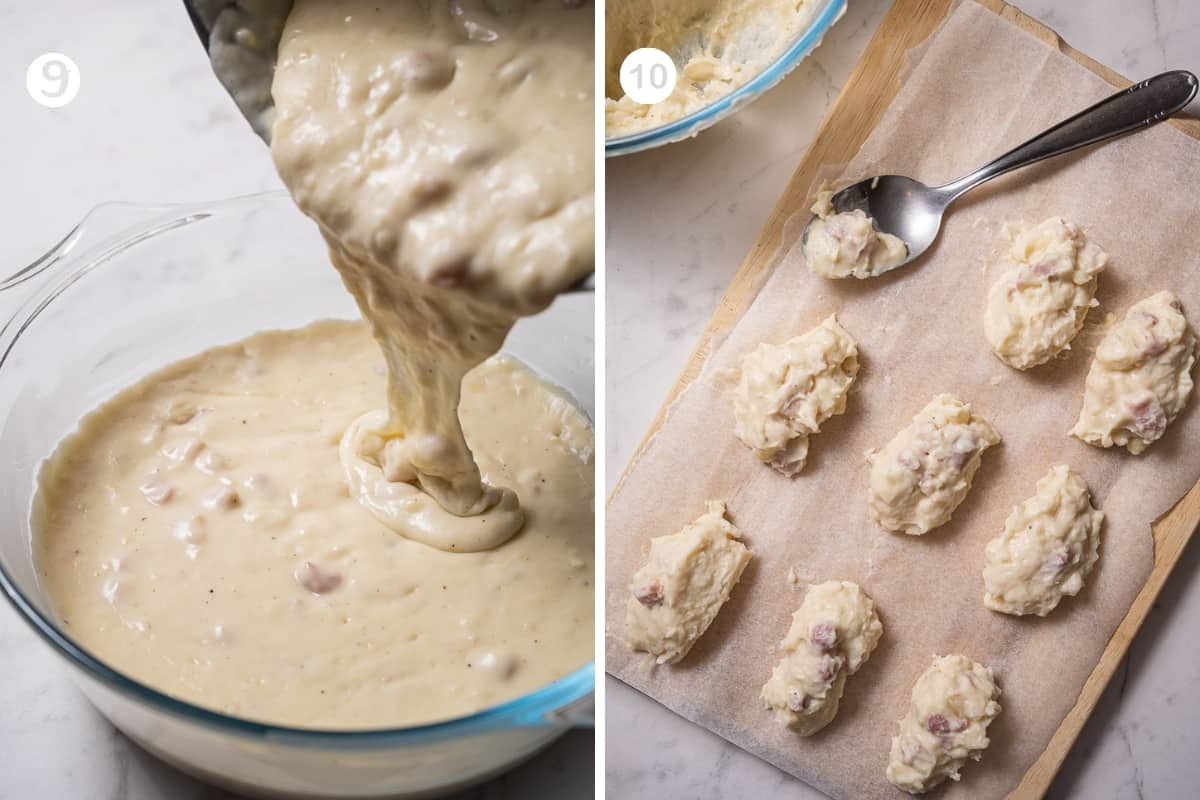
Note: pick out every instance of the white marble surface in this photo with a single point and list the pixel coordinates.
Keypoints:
(150, 124)
(679, 222)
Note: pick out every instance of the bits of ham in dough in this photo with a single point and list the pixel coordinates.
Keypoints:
(847, 245)
(501, 664)
(185, 450)
(686, 579)
(210, 462)
(222, 497)
(190, 531)
(832, 635)
(317, 580)
(1039, 304)
(953, 702)
(1141, 377)
(156, 492)
(179, 412)
(924, 473)
(1049, 545)
(786, 391)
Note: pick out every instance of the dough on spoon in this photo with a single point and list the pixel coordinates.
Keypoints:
(1049, 545)
(1141, 377)
(847, 245)
(953, 702)
(832, 635)
(924, 473)
(680, 589)
(787, 390)
(1038, 306)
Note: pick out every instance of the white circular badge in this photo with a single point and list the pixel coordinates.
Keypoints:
(52, 80)
(648, 76)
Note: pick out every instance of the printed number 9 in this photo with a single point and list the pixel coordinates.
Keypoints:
(59, 72)
(52, 80)
(648, 76)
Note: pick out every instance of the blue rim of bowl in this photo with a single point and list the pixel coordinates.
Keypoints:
(528, 710)
(751, 90)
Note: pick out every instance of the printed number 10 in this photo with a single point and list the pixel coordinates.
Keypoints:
(648, 76)
(658, 76)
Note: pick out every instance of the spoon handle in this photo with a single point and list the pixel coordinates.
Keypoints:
(1141, 105)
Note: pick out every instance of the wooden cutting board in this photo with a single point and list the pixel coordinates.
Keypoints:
(868, 92)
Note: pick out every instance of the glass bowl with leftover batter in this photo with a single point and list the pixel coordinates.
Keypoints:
(133, 288)
(814, 20)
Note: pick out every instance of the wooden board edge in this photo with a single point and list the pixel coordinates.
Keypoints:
(1171, 536)
(907, 24)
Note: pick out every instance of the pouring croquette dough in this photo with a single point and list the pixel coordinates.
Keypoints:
(226, 530)
(445, 149)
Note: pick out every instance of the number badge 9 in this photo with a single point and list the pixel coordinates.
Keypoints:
(52, 80)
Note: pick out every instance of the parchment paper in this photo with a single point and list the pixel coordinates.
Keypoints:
(980, 86)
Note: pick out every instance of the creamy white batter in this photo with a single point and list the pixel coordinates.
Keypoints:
(681, 588)
(1040, 303)
(717, 45)
(953, 702)
(197, 533)
(1141, 377)
(225, 530)
(446, 150)
(925, 472)
(847, 244)
(786, 391)
(1049, 545)
(832, 635)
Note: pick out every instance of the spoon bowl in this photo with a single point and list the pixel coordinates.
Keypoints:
(897, 205)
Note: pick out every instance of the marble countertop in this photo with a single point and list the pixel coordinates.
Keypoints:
(679, 221)
(150, 124)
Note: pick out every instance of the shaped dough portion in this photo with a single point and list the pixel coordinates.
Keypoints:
(847, 245)
(686, 579)
(1049, 545)
(953, 702)
(924, 473)
(832, 635)
(1141, 377)
(787, 390)
(1038, 306)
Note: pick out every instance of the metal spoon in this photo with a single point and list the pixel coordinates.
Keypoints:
(241, 38)
(913, 211)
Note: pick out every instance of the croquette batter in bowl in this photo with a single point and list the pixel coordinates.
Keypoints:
(717, 45)
(197, 533)
(248, 529)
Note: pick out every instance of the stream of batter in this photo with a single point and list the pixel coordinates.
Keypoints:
(453, 180)
(205, 530)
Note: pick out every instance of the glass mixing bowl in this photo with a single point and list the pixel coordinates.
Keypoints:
(822, 16)
(133, 288)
